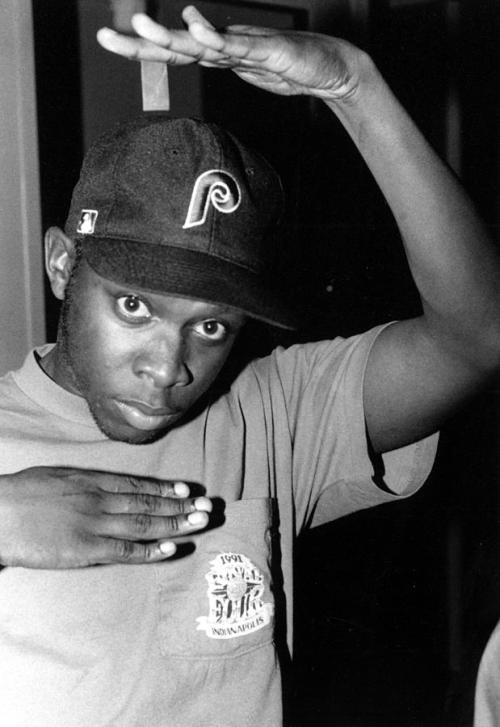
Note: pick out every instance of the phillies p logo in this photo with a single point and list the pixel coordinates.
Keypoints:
(214, 187)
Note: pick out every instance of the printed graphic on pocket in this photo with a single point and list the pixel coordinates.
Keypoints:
(236, 603)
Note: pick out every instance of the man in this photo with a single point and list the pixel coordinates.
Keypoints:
(163, 258)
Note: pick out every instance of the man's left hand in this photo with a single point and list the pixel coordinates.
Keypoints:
(283, 62)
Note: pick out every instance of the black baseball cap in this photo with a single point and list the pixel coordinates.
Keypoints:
(181, 207)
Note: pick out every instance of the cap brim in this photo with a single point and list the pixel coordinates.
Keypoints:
(186, 273)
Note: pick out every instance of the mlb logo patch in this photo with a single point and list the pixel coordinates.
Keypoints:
(86, 225)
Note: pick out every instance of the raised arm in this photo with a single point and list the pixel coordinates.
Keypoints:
(420, 370)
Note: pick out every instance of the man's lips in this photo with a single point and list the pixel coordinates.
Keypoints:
(158, 411)
(142, 416)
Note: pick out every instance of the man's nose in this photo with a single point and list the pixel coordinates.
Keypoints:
(162, 361)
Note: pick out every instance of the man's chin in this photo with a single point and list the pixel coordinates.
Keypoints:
(130, 435)
(137, 437)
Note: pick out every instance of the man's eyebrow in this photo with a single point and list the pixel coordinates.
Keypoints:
(216, 309)
(225, 311)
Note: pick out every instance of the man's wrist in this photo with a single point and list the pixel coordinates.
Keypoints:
(363, 80)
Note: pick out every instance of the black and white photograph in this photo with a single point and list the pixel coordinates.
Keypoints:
(250, 363)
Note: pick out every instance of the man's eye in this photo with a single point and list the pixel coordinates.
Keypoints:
(131, 306)
(212, 330)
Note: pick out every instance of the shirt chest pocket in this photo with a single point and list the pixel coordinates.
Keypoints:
(218, 601)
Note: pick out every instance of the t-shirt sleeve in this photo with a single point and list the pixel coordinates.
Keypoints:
(334, 472)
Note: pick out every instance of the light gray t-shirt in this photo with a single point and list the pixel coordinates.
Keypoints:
(189, 641)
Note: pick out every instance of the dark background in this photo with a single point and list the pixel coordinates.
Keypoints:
(394, 605)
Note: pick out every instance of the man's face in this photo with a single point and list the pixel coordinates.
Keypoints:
(141, 360)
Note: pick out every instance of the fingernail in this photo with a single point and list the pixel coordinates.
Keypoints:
(197, 518)
(203, 504)
(167, 548)
(181, 489)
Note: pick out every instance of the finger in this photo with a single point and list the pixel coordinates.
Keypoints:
(150, 30)
(190, 14)
(139, 49)
(121, 483)
(179, 42)
(127, 551)
(238, 41)
(250, 30)
(151, 505)
(142, 526)
(205, 33)
(221, 63)
(207, 36)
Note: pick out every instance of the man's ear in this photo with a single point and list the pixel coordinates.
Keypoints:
(59, 259)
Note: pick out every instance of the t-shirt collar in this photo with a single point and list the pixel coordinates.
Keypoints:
(36, 384)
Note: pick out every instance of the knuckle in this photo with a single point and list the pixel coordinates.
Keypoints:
(97, 495)
(156, 488)
(133, 54)
(132, 482)
(85, 504)
(150, 552)
(95, 501)
(113, 484)
(173, 524)
(179, 507)
(143, 523)
(199, 54)
(124, 550)
(150, 503)
(125, 504)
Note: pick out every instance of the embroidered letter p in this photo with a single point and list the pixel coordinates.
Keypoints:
(214, 187)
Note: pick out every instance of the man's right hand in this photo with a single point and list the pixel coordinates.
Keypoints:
(56, 517)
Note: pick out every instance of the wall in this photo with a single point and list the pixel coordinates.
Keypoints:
(21, 286)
